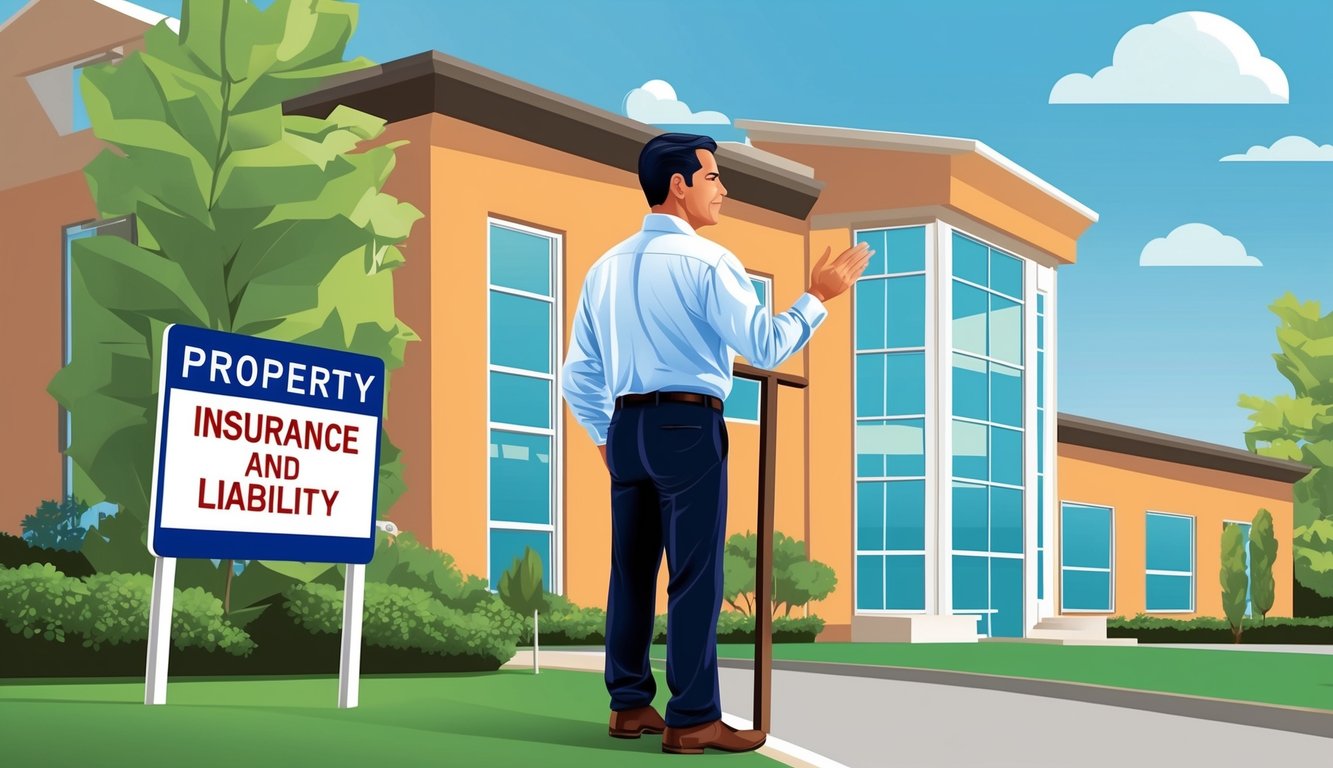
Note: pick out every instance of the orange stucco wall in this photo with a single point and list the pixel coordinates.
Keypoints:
(1134, 486)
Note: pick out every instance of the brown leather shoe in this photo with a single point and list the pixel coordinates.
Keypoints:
(717, 735)
(633, 723)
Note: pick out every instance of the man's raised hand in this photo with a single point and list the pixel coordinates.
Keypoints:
(829, 279)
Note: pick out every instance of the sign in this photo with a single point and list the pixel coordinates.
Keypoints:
(266, 450)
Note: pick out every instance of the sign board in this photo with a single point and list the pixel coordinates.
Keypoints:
(266, 450)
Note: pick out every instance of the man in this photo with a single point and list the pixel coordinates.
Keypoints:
(660, 319)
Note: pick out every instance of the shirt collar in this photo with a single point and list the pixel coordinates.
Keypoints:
(665, 222)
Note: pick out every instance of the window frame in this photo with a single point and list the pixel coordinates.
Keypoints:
(556, 432)
(767, 280)
(1194, 565)
(1110, 571)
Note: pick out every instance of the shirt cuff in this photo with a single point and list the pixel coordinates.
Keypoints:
(811, 309)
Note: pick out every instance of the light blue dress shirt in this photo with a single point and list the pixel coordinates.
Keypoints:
(668, 310)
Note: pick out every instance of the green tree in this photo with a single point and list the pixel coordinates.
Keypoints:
(248, 221)
(796, 579)
(521, 589)
(56, 525)
(739, 563)
(1263, 551)
(1234, 581)
(1300, 427)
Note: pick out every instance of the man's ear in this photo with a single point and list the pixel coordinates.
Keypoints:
(678, 185)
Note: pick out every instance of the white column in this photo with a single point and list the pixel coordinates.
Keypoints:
(940, 423)
(1052, 531)
(1030, 440)
(159, 630)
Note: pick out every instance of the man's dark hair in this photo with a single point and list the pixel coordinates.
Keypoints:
(667, 155)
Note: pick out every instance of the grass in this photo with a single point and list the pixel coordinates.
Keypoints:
(1289, 679)
(506, 718)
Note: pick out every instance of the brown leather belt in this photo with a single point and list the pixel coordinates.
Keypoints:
(657, 398)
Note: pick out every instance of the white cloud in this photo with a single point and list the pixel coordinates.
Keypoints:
(1187, 58)
(1288, 149)
(655, 102)
(1196, 245)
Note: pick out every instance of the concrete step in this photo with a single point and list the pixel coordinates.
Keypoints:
(1119, 641)
(1087, 623)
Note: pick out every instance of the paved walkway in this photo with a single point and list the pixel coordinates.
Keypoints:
(839, 716)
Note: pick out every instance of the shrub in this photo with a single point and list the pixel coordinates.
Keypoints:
(112, 608)
(16, 551)
(407, 618)
(1205, 629)
(797, 580)
(56, 525)
(405, 562)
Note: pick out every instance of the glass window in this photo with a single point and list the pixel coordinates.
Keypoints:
(891, 448)
(970, 527)
(906, 249)
(870, 516)
(905, 383)
(1170, 542)
(1006, 395)
(1006, 520)
(971, 583)
(508, 545)
(1086, 558)
(743, 402)
(523, 343)
(970, 397)
(905, 582)
(970, 260)
(1006, 456)
(1006, 274)
(1006, 330)
(761, 290)
(1006, 596)
(905, 508)
(875, 239)
(80, 113)
(906, 301)
(870, 582)
(970, 455)
(871, 332)
(969, 319)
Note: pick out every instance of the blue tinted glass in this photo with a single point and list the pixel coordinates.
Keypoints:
(870, 516)
(1169, 593)
(1041, 379)
(870, 392)
(869, 582)
(971, 583)
(1006, 330)
(875, 238)
(969, 388)
(1041, 574)
(907, 249)
(906, 384)
(1170, 543)
(1041, 440)
(1006, 456)
(891, 448)
(1087, 590)
(1041, 329)
(907, 311)
(906, 513)
(520, 400)
(969, 517)
(520, 332)
(520, 260)
(1085, 536)
(905, 577)
(1041, 303)
(520, 477)
(870, 322)
(507, 546)
(969, 318)
(969, 259)
(761, 290)
(1006, 520)
(1041, 511)
(970, 457)
(1006, 395)
(81, 120)
(743, 402)
(1006, 597)
(1006, 274)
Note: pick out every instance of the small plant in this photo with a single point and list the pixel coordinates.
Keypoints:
(1263, 551)
(1234, 581)
(521, 590)
(56, 525)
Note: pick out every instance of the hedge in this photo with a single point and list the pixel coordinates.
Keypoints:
(1154, 629)
(15, 551)
(571, 625)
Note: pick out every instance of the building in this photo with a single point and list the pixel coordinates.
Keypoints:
(924, 462)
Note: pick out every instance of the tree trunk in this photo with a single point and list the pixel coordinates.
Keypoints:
(226, 593)
(536, 649)
(1236, 631)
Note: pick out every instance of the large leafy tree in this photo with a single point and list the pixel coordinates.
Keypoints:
(1300, 427)
(1263, 551)
(248, 220)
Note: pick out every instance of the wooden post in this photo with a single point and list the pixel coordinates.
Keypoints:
(769, 381)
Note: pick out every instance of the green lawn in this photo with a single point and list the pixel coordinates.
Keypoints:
(506, 718)
(1291, 679)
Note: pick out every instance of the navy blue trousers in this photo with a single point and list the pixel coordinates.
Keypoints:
(668, 467)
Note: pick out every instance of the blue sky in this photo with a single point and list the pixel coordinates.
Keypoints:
(1164, 348)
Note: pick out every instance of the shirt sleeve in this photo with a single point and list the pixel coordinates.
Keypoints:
(745, 324)
(584, 380)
